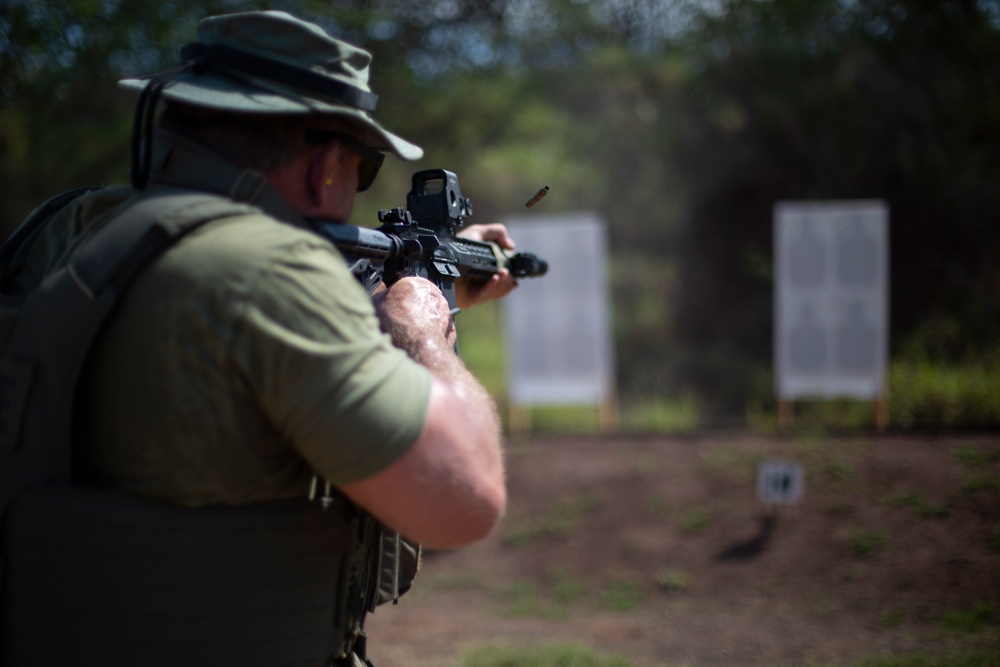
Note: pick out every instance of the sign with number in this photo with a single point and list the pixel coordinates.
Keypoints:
(779, 482)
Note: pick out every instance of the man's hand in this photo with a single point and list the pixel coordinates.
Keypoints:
(469, 294)
(415, 313)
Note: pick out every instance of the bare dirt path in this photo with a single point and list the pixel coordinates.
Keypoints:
(657, 550)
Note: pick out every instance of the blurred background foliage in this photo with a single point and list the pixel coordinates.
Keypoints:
(681, 121)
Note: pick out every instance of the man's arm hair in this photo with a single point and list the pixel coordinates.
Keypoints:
(448, 489)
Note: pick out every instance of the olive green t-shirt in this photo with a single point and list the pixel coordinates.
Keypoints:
(239, 364)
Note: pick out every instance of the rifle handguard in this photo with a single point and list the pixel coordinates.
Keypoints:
(526, 264)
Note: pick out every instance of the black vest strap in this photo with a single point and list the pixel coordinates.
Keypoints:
(105, 578)
(179, 162)
(56, 325)
(119, 580)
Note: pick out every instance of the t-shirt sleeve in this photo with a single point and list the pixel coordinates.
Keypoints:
(310, 350)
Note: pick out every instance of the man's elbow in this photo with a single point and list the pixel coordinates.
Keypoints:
(468, 523)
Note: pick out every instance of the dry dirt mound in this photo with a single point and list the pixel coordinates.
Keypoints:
(657, 549)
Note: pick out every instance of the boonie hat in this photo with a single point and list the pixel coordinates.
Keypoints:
(270, 62)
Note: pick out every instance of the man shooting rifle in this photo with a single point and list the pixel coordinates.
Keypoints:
(241, 370)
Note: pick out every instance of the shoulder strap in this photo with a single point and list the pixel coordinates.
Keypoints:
(37, 218)
(56, 325)
(305, 579)
(35, 222)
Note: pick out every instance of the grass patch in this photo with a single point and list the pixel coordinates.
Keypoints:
(621, 595)
(696, 520)
(678, 415)
(659, 508)
(837, 471)
(560, 593)
(817, 417)
(480, 342)
(567, 591)
(523, 599)
(452, 581)
(980, 617)
(920, 506)
(981, 483)
(891, 618)
(672, 581)
(866, 543)
(963, 659)
(560, 521)
(732, 463)
(581, 419)
(974, 458)
(993, 541)
(924, 394)
(542, 655)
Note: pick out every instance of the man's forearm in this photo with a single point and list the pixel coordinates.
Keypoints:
(417, 318)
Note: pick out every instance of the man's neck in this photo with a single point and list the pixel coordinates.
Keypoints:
(182, 162)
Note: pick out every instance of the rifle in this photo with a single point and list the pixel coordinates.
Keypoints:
(421, 241)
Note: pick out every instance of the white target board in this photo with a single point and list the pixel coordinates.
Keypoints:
(557, 327)
(831, 291)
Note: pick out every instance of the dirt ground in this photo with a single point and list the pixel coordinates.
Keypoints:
(657, 550)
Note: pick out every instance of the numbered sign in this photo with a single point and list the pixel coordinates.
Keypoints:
(779, 482)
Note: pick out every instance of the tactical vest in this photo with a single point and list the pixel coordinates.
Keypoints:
(93, 576)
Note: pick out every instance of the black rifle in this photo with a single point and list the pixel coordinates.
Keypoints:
(421, 241)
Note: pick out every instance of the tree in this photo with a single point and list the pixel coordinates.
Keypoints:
(894, 99)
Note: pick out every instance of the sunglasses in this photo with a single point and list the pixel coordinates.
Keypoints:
(371, 159)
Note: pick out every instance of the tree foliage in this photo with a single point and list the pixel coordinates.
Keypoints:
(820, 100)
(682, 121)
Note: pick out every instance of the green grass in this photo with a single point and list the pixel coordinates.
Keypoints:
(696, 520)
(564, 654)
(566, 590)
(921, 394)
(974, 458)
(523, 599)
(924, 394)
(962, 659)
(560, 520)
(920, 506)
(581, 419)
(993, 541)
(560, 594)
(981, 483)
(735, 464)
(979, 617)
(661, 415)
(867, 542)
(672, 581)
(542, 655)
(621, 594)
(480, 342)
(576, 655)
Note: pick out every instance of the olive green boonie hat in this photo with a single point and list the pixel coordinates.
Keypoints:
(270, 62)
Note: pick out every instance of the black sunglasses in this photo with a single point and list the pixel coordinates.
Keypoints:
(371, 159)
